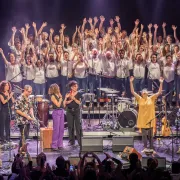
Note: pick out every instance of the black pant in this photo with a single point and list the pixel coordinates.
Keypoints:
(24, 131)
(73, 117)
(147, 132)
(4, 124)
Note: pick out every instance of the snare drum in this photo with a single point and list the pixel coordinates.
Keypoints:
(88, 97)
(128, 118)
(43, 111)
(122, 105)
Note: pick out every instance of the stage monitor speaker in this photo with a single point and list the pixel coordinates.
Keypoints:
(120, 142)
(161, 162)
(94, 144)
(128, 150)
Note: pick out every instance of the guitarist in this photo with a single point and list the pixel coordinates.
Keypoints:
(24, 113)
(146, 112)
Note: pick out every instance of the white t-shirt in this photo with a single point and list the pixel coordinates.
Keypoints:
(139, 70)
(80, 70)
(153, 70)
(66, 67)
(168, 73)
(39, 75)
(95, 65)
(108, 67)
(29, 71)
(51, 70)
(12, 71)
(122, 68)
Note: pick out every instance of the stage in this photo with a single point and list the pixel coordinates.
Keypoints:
(163, 148)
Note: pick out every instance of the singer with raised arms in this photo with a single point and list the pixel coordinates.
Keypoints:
(146, 115)
(6, 102)
(72, 103)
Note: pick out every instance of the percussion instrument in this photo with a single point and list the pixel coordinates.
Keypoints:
(122, 105)
(128, 118)
(39, 98)
(43, 111)
(88, 97)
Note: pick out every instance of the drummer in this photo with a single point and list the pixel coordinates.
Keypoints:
(108, 70)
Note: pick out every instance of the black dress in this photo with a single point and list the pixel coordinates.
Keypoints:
(5, 111)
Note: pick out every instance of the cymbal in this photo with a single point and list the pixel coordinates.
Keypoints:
(124, 98)
(110, 95)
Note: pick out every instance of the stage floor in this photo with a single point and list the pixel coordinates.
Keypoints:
(163, 148)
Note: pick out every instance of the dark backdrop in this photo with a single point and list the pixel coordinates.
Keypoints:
(71, 12)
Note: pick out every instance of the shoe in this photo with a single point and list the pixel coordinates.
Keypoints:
(71, 143)
(144, 150)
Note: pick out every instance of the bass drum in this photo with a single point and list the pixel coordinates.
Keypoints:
(128, 118)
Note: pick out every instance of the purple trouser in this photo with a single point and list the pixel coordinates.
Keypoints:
(58, 128)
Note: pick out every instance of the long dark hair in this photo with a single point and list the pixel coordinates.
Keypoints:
(3, 84)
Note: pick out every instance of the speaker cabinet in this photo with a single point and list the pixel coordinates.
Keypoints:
(94, 144)
(120, 142)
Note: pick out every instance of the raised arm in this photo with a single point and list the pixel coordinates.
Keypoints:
(149, 27)
(164, 30)
(3, 56)
(136, 22)
(22, 31)
(83, 25)
(13, 35)
(111, 22)
(50, 36)
(63, 27)
(90, 23)
(44, 24)
(175, 34)
(102, 19)
(117, 19)
(74, 35)
(155, 34)
(35, 30)
(160, 89)
(132, 89)
(27, 30)
(95, 21)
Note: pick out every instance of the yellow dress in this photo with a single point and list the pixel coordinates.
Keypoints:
(146, 112)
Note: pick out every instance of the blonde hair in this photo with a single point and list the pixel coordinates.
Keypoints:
(53, 89)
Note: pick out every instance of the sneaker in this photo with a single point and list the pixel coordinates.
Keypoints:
(144, 150)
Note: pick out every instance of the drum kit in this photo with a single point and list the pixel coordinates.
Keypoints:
(120, 111)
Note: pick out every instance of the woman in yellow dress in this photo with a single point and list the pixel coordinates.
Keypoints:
(146, 115)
